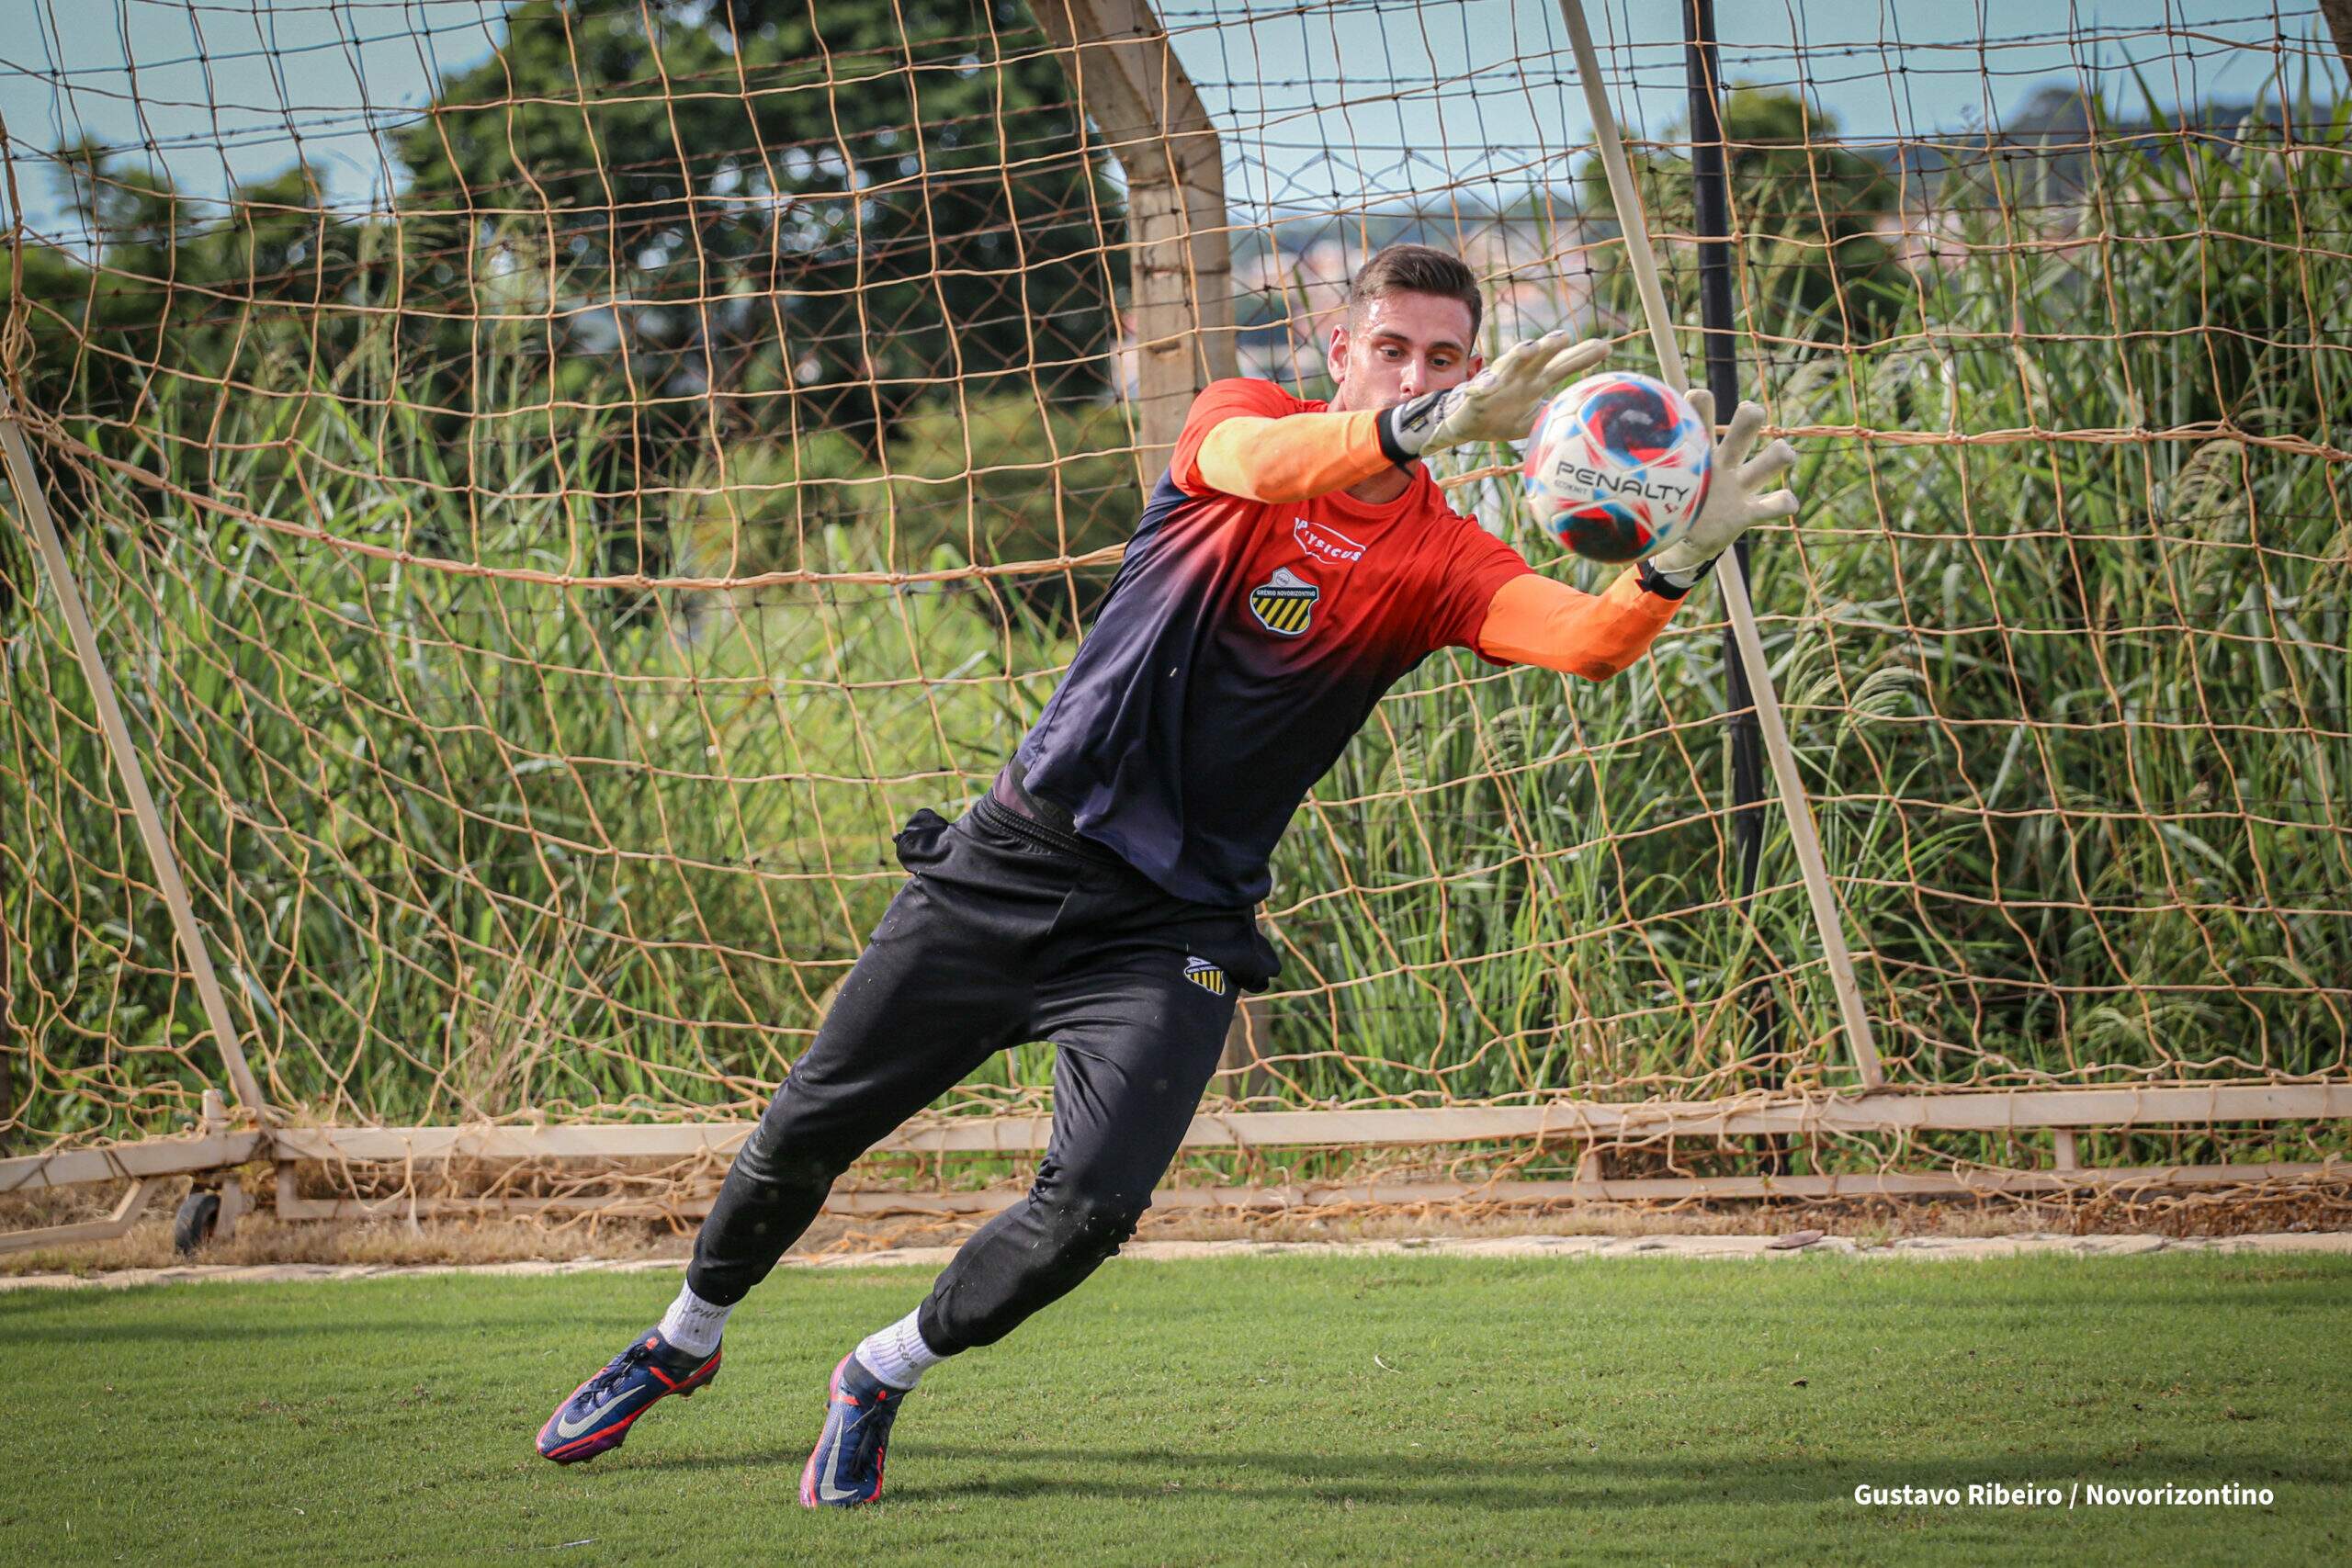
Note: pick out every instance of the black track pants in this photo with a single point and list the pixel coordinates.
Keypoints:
(1007, 932)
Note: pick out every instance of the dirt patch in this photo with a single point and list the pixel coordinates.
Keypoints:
(262, 1240)
(657, 1232)
(1754, 1248)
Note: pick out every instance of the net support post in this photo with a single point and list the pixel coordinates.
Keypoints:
(1710, 191)
(32, 504)
(1828, 922)
(1129, 81)
(2339, 28)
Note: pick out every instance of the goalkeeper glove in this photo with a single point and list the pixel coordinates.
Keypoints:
(1733, 504)
(1496, 405)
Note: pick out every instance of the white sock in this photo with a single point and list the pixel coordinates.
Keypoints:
(693, 1324)
(897, 1354)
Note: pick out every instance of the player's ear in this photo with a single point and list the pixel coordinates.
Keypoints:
(1478, 363)
(1335, 354)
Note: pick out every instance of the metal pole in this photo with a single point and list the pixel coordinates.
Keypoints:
(1828, 924)
(35, 506)
(1711, 186)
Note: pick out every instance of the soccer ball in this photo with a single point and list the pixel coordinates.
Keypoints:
(1617, 466)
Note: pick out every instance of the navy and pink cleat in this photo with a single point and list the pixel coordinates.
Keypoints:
(600, 1412)
(846, 1468)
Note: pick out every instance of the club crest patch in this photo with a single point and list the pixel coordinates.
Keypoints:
(1284, 603)
(1205, 974)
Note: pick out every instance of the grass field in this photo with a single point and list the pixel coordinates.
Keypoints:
(1270, 1409)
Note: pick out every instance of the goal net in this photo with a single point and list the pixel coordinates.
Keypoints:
(557, 485)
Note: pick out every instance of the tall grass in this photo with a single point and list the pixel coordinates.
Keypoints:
(2073, 713)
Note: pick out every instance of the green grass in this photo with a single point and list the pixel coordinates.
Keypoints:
(1268, 1410)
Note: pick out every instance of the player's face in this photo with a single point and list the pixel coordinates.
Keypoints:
(1398, 346)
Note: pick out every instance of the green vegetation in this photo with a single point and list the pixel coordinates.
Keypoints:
(1293, 1409)
(861, 203)
(1805, 207)
(2072, 712)
(713, 221)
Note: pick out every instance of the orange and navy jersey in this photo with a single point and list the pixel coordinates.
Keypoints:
(1242, 644)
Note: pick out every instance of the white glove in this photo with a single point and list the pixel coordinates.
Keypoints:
(1496, 405)
(1733, 505)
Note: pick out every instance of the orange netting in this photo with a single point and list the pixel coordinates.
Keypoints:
(543, 565)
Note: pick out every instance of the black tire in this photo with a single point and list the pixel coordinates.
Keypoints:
(199, 1217)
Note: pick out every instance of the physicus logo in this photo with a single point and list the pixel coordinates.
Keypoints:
(1284, 603)
(1319, 539)
(1205, 974)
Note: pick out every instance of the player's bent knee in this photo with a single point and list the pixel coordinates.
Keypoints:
(787, 1163)
(1090, 1229)
(1028, 1256)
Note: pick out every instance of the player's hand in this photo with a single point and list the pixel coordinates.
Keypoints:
(1496, 405)
(1736, 499)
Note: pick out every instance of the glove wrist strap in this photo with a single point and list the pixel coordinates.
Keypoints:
(1674, 585)
(1406, 429)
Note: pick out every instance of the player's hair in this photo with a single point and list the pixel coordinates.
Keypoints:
(1418, 269)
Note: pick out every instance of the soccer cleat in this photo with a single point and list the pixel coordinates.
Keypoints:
(845, 1467)
(600, 1412)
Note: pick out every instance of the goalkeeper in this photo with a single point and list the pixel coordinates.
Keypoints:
(1295, 560)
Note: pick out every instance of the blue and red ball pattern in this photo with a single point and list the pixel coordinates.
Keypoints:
(1617, 466)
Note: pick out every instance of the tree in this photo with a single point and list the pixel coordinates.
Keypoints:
(1806, 208)
(173, 301)
(748, 205)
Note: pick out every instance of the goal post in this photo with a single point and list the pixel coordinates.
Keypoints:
(32, 507)
(1127, 79)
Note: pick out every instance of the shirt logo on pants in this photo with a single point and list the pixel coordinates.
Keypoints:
(1284, 603)
(1205, 974)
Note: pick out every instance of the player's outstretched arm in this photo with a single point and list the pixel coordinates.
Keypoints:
(1300, 455)
(1496, 405)
(1292, 459)
(1736, 499)
(1534, 620)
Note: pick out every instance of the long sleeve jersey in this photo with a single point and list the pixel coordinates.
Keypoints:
(1259, 614)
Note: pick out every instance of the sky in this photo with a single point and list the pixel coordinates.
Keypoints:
(1332, 100)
